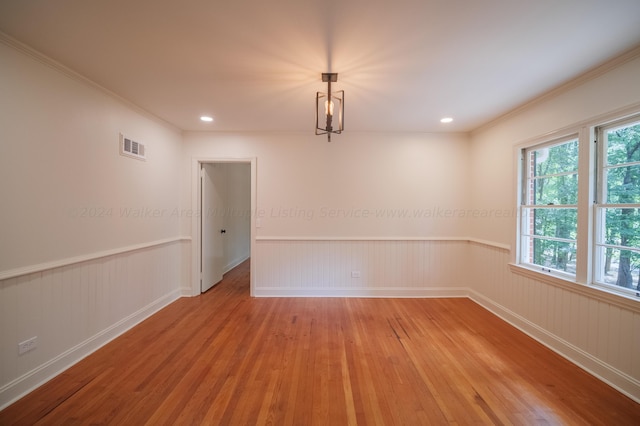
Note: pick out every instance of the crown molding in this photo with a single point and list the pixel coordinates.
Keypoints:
(581, 79)
(68, 72)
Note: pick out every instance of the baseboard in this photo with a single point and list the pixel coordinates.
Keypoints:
(235, 263)
(26, 383)
(382, 292)
(185, 292)
(605, 372)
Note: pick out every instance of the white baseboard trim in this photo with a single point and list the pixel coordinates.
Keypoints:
(235, 263)
(382, 292)
(605, 372)
(268, 238)
(185, 292)
(26, 383)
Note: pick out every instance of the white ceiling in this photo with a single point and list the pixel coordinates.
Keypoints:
(255, 65)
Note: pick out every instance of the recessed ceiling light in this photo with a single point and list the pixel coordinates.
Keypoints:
(206, 118)
(446, 120)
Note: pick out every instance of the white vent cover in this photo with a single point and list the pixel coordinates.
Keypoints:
(131, 148)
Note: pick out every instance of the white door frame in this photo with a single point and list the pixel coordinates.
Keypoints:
(196, 226)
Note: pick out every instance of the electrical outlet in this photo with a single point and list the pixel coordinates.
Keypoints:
(355, 274)
(27, 345)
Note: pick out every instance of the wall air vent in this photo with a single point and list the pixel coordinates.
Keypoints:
(131, 148)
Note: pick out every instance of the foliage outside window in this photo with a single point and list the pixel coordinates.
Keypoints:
(549, 206)
(617, 212)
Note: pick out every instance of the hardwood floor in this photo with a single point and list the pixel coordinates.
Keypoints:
(225, 358)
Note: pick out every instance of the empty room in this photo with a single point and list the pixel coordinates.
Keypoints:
(319, 212)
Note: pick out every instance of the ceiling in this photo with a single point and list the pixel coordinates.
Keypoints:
(255, 65)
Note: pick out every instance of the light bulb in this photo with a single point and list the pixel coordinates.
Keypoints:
(328, 107)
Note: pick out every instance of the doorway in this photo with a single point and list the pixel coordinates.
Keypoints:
(224, 225)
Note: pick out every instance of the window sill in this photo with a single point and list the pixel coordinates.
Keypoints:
(591, 291)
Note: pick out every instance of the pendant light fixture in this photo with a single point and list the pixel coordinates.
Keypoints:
(329, 108)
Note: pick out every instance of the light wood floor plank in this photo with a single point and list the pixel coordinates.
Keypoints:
(225, 358)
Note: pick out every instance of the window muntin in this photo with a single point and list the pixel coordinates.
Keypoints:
(617, 211)
(549, 206)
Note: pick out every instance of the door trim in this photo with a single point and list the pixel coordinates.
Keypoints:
(196, 226)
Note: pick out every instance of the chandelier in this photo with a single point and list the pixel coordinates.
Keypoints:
(328, 106)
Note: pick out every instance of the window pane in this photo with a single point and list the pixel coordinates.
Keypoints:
(619, 228)
(554, 255)
(622, 227)
(558, 223)
(556, 190)
(620, 267)
(555, 159)
(622, 144)
(623, 184)
(551, 180)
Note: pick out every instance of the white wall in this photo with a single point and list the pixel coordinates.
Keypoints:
(391, 188)
(65, 189)
(237, 213)
(88, 243)
(356, 186)
(492, 184)
(598, 331)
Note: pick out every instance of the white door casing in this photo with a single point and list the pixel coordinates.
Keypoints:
(194, 213)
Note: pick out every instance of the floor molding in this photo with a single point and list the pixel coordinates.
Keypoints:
(382, 292)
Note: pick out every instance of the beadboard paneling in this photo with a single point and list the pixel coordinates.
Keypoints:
(388, 268)
(600, 334)
(76, 308)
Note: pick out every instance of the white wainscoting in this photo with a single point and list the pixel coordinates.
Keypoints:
(597, 331)
(387, 267)
(77, 306)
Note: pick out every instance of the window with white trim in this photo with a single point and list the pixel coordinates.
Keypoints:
(617, 207)
(550, 206)
(579, 213)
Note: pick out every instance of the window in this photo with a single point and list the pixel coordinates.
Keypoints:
(617, 211)
(580, 205)
(550, 206)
